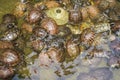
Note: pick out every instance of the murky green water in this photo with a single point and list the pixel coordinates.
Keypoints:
(7, 6)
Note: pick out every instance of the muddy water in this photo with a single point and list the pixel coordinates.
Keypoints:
(7, 6)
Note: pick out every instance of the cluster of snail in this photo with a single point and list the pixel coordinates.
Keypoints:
(58, 31)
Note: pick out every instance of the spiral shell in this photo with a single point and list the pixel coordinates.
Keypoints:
(11, 34)
(87, 36)
(34, 16)
(40, 32)
(50, 25)
(10, 57)
(56, 55)
(38, 45)
(9, 18)
(72, 49)
(75, 16)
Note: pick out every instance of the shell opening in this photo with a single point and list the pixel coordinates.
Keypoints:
(58, 11)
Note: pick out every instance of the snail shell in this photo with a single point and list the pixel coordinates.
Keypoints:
(38, 45)
(9, 18)
(87, 36)
(56, 55)
(11, 34)
(64, 31)
(40, 32)
(10, 57)
(6, 72)
(72, 49)
(50, 25)
(75, 16)
(34, 16)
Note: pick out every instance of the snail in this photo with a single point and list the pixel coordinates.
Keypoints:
(10, 57)
(6, 72)
(75, 15)
(34, 16)
(50, 25)
(64, 31)
(56, 55)
(38, 45)
(40, 32)
(91, 12)
(52, 55)
(11, 34)
(87, 36)
(72, 49)
(9, 18)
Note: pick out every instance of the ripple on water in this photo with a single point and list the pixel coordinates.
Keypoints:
(102, 73)
(85, 76)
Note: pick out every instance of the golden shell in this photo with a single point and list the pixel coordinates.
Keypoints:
(58, 14)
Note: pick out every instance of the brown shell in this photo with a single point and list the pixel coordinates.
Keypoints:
(10, 57)
(9, 18)
(38, 45)
(40, 32)
(75, 16)
(50, 25)
(87, 36)
(6, 72)
(34, 16)
(72, 49)
(56, 55)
